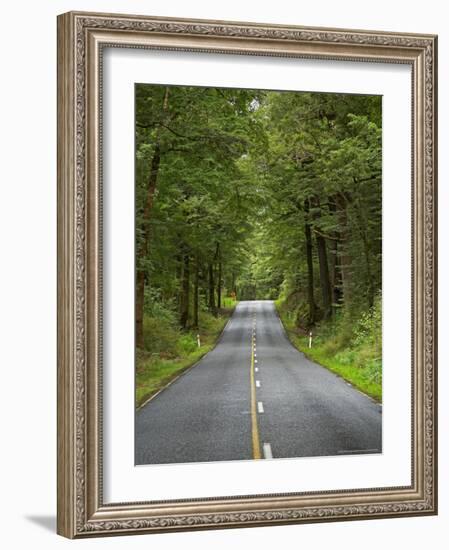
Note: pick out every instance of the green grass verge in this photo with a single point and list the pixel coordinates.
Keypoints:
(178, 351)
(347, 363)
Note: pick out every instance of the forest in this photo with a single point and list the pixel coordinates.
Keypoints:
(249, 195)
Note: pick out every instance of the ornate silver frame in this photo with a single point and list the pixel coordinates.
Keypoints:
(81, 511)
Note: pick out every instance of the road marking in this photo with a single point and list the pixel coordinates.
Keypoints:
(254, 424)
(257, 369)
(260, 407)
(255, 360)
(257, 383)
(255, 355)
(267, 453)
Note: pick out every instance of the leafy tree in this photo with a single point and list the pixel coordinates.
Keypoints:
(259, 195)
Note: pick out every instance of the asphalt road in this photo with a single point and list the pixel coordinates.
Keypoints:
(256, 396)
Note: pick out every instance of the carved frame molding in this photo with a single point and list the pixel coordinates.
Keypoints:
(81, 39)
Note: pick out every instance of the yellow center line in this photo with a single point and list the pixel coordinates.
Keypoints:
(254, 424)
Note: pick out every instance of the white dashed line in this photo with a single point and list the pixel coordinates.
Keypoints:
(260, 407)
(256, 369)
(267, 453)
(257, 383)
(255, 360)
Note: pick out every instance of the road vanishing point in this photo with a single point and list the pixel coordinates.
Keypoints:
(255, 396)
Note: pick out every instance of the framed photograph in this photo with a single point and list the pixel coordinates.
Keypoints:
(246, 274)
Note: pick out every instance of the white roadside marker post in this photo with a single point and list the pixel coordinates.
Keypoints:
(310, 339)
(198, 340)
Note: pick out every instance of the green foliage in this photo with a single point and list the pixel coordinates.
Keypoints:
(187, 344)
(250, 194)
(229, 302)
(369, 327)
(158, 308)
(160, 336)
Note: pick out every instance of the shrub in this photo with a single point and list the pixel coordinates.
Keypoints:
(159, 336)
(187, 343)
(155, 307)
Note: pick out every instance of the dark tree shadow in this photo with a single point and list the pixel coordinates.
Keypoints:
(46, 522)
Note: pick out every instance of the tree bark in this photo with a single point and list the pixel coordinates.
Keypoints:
(144, 248)
(143, 251)
(196, 294)
(345, 257)
(337, 293)
(334, 263)
(140, 297)
(370, 289)
(326, 291)
(219, 275)
(367, 253)
(324, 276)
(185, 291)
(212, 307)
(309, 257)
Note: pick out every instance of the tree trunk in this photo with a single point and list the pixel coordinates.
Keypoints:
(334, 267)
(196, 293)
(140, 297)
(309, 257)
(367, 254)
(212, 307)
(144, 248)
(326, 291)
(370, 289)
(337, 293)
(324, 276)
(185, 291)
(345, 257)
(219, 282)
(143, 251)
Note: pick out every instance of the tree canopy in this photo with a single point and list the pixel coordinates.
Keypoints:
(256, 194)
